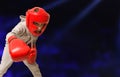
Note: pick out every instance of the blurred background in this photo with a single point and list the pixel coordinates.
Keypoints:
(81, 40)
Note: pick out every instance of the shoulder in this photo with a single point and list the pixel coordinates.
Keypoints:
(23, 20)
(22, 17)
(21, 24)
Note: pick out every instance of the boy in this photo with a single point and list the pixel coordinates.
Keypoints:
(21, 41)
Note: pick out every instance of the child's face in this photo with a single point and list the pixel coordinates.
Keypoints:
(40, 27)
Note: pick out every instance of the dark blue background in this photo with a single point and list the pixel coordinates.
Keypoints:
(81, 40)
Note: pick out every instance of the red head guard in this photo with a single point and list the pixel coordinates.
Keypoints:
(38, 15)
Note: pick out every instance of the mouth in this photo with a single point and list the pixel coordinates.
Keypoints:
(37, 31)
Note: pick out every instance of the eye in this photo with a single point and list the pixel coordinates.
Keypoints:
(44, 24)
(35, 23)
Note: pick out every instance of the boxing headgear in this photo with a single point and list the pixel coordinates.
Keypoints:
(38, 15)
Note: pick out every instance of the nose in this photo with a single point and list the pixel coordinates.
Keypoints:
(39, 28)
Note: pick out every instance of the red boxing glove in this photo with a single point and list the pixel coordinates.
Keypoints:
(32, 56)
(19, 50)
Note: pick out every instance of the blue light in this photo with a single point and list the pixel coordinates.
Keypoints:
(78, 18)
(54, 4)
